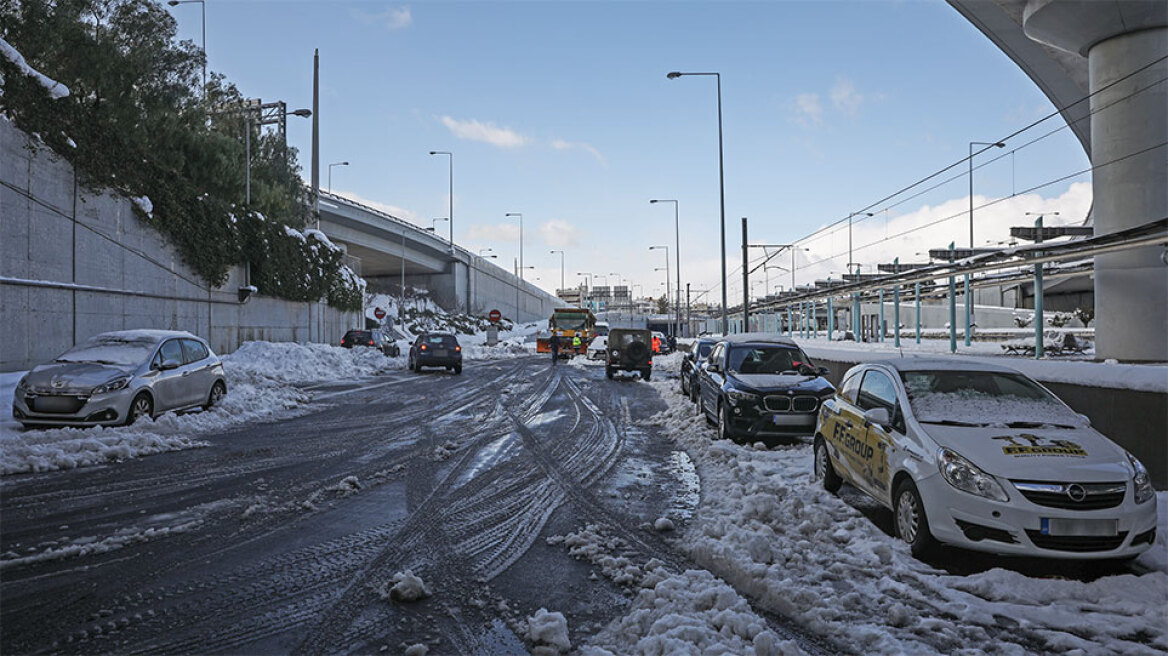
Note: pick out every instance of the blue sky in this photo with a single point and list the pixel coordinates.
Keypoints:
(562, 111)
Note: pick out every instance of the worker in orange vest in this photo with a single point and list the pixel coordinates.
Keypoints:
(656, 345)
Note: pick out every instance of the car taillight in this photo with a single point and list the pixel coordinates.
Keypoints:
(458, 349)
(423, 347)
(371, 342)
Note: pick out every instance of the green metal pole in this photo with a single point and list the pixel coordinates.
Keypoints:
(1038, 319)
(830, 319)
(968, 312)
(814, 320)
(856, 317)
(881, 337)
(918, 302)
(952, 306)
(896, 306)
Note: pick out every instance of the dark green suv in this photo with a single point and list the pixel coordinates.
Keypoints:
(629, 349)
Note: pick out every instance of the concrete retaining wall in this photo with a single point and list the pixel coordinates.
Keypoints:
(74, 263)
(1135, 420)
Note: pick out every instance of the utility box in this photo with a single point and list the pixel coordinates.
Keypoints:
(492, 335)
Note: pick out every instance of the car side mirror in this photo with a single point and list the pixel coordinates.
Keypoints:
(879, 417)
(713, 367)
(822, 371)
(167, 365)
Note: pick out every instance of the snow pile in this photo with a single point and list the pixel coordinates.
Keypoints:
(291, 363)
(689, 613)
(406, 587)
(548, 632)
(144, 204)
(769, 530)
(420, 314)
(55, 88)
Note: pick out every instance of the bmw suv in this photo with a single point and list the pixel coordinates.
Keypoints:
(761, 386)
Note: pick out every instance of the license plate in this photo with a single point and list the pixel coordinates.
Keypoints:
(793, 420)
(440, 353)
(1080, 527)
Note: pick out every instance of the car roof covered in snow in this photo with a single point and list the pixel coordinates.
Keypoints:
(145, 334)
(759, 338)
(942, 364)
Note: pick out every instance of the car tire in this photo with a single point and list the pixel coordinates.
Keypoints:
(704, 413)
(608, 371)
(141, 406)
(684, 388)
(457, 369)
(910, 521)
(725, 432)
(218, 391)
(646, 374)
(824, 470)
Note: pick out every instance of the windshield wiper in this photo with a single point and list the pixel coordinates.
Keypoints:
(1035, 424)
(951, 422)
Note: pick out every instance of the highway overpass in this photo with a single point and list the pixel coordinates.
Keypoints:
(394, 252)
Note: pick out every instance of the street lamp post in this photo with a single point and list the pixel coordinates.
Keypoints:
(667, 290)
(520, 215)
(247, 123)
(587, 281)
(203, 5)
(676, 259)
(330, 174)
(850, 260)
(562, 258)
(450, 212)
(721, 191)
(968, 299)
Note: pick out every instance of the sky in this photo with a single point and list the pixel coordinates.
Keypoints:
(562, 111)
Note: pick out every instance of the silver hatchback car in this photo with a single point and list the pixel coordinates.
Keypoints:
(117, 377)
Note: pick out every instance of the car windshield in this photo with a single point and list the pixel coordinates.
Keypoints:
(569, 321)
(982, 398)
(112, 349)
(765, 359)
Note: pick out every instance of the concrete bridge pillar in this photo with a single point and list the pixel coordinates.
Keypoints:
(1129, 130)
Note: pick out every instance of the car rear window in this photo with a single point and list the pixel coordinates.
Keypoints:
(704, 349)
(363, 335)
(447, 340)
(194, 350)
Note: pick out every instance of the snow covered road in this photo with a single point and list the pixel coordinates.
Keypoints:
(516, 508)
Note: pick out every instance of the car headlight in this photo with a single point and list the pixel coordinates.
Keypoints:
(965, 476)
(738, 396)
(23, 385)
(1141, 480)
(112, 386)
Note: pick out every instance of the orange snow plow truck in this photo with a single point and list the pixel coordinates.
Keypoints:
(567, 323)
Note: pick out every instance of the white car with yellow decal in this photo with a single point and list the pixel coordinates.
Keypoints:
(982, 457)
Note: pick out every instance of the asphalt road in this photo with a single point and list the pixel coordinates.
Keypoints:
(283, 537)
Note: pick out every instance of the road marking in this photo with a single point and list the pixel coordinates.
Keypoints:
(318, 397)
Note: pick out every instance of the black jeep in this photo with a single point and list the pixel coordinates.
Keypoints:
(629, 349)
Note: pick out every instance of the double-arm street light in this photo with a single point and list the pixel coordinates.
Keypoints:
(562, 259)
(968, 298)
(247, 123)
(330, 174)
(520, 215)
(587, 281)
(434, 223)
(203, 5)
(450, 211)
(667, 291)
(677, 261)
(721, 191)
(851, 262)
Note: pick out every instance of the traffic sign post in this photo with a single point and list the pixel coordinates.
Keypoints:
(495, 316)
(379, 313)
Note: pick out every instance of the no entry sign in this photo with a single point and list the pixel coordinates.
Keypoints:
(494, 316)
(379, 313)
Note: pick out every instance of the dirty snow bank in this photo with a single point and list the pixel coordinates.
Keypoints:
(766, 528)
(260, 383)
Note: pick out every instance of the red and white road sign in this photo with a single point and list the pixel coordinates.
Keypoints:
(379, 313)
(494, 316)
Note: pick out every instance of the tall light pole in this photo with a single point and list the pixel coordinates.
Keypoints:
(968, 298)
(562, 258)
(520, 215)
(203, 5)
(587, 281)
(667, 291)
(676, 259)
(330, 174)
(721, 191)
(850, 261)
(434, 223)
(450, 214)
(303, 113)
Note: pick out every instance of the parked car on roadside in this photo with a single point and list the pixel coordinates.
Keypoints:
(629, 349)
(373, 338)
(982, 457)
(119, 377)
(597, 347)
(761, 386)
(697, 355)
(436, 349)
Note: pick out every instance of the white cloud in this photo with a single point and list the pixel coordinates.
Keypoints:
(808, 109)
(560, 144)
(486, 132)
(508, 232)
(393, 18)
(845, 98)
(559, 233)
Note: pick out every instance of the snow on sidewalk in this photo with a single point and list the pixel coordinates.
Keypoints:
(768, 529)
